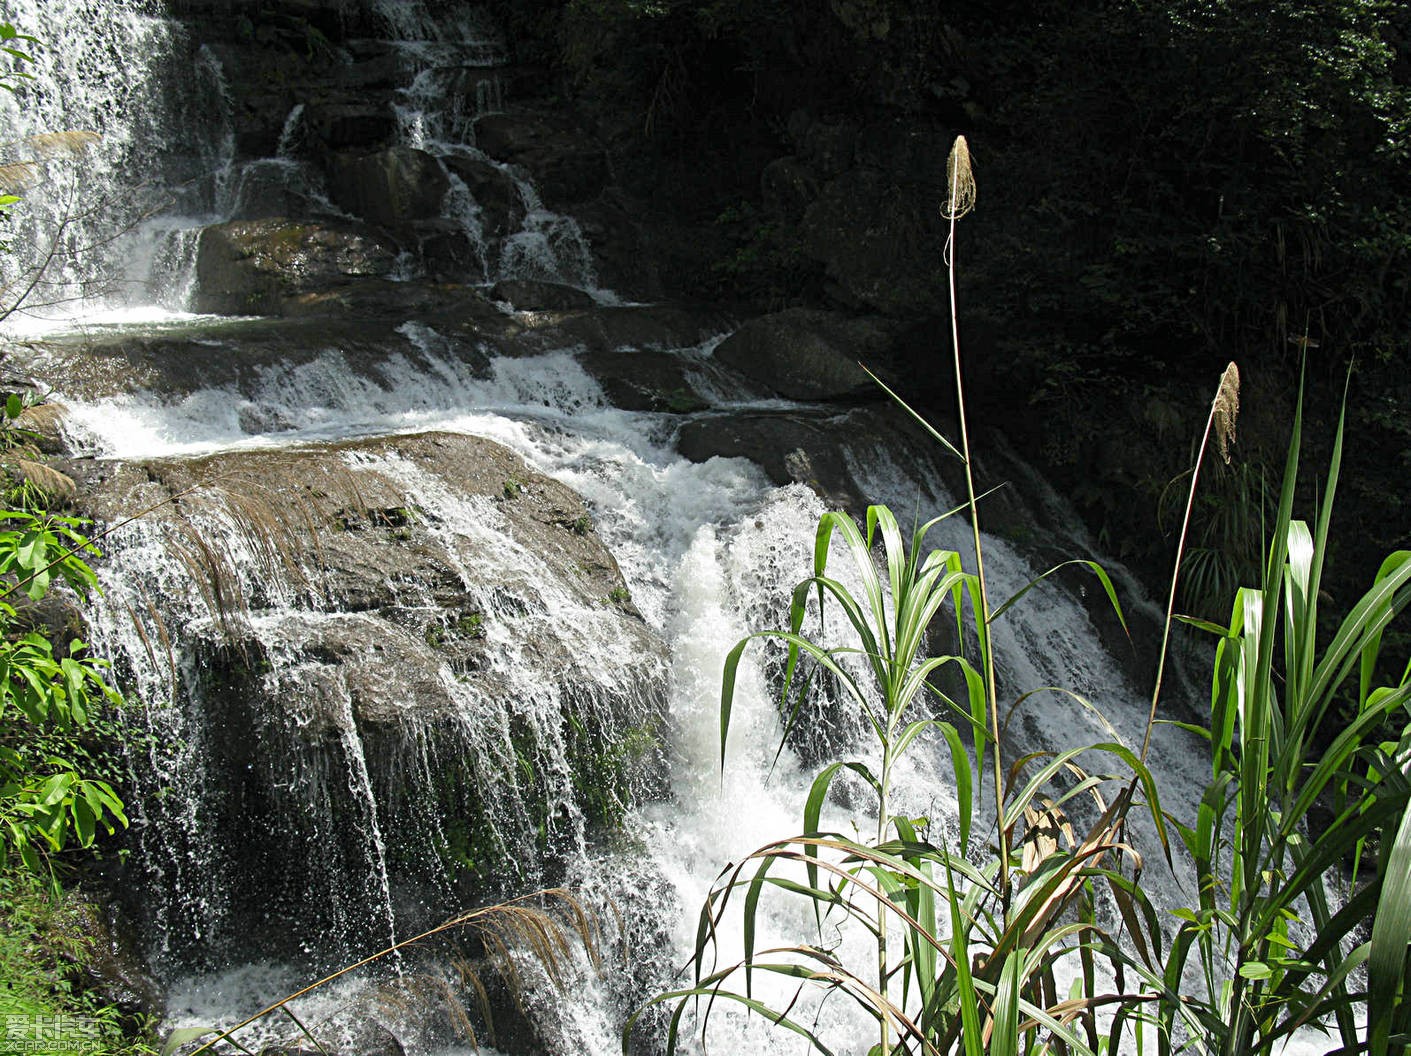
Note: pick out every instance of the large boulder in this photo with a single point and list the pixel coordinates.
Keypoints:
(250, 267)
(809, 354)
(351, 125)
(529, 295)
(650, 327)
(792, 447)
(647, 380)
(394, 675)
(394, 187)
(494, 191)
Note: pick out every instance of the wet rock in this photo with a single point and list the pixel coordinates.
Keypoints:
(246, 357)
(569, 167)
(364, 125)
(113, 971)
(494, 190)
(809, 354)
(405, 626)
(42, 424)
(393, 187)
(646, 381)
(627, 252)
(528, 295)
(249, 267)
(609, 329)
(448, 253)
(273, 189)
(791, 447)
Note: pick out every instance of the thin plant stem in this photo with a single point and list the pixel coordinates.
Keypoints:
(470, 918)
(1215, 405)
(982, 602)
(884, 806)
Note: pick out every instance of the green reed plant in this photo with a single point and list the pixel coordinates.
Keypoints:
(967, 957)
(970, 949)
(1291, 801)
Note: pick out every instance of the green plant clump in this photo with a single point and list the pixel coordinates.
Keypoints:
(43, 943)
(53, 793)
(976, 940)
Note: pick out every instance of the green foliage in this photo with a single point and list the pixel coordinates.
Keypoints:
(964, 951)
(12, 43)
(45, 942)
(52, 790)
(1219, 210)
(1262, 840)
(1232, 511)
(765, 262)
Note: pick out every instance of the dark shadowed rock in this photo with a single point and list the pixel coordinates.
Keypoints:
(529, 295)
(877, 240)
(788, 187)
(829, 146)
(808, 354)
(791, 447)
(249, 267)
(393, 187)
(448, 253)
(359, 125)
(645, 381)
(568, 166)
(112, 967)
(608, 329)
(627, 252)
(494, 190)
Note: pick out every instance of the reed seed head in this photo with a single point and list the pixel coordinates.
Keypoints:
(60, 144)
(960, 181)
(1226, 409)
(18, 177)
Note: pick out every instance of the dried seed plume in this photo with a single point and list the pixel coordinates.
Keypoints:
(960, 181)
(1226, 409)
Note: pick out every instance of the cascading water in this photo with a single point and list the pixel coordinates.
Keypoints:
(709, 552)
(452, 62)
(365, 691)
(115, 228)
(131, 82)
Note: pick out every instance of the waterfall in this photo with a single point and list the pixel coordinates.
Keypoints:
(127, 73)
(420, 615)
(112, 233)
(709, 552)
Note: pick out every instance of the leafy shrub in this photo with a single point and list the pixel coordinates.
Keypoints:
(52, 792)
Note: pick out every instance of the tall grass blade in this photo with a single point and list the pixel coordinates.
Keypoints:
(1391, 935)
